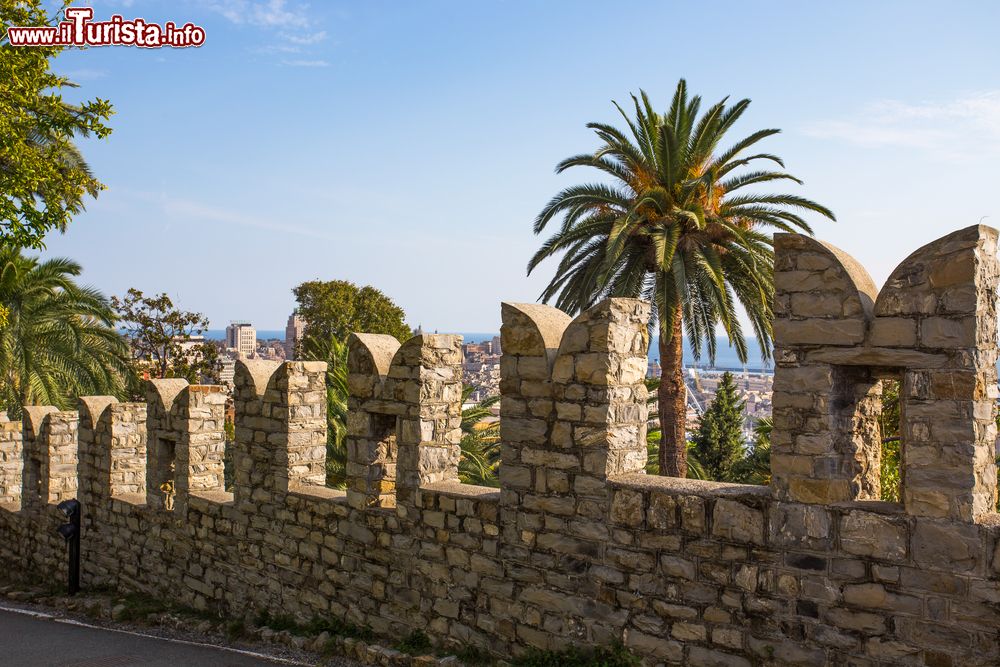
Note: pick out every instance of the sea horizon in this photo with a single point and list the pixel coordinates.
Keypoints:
(725, 358)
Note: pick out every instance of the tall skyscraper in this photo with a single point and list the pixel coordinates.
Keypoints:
(242, 337)
(294, 331)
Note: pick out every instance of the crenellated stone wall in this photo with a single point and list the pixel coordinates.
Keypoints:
(50, 455)
(933, 326)
(578, 545)
(11, 462)
(185, 427)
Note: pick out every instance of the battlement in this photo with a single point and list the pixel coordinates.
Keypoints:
(933, 326)
(578, 544)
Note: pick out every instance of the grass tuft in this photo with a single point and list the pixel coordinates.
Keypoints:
(611, 656)
(473, 656)
(415, 643)
(314, 626)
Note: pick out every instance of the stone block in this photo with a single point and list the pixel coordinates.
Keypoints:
(946, 545)
(893, 332)
(627, 508)
(941, 332)
(868, 534)
(734, 521)
(816, 331)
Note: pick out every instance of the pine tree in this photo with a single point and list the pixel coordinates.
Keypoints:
(718, 438)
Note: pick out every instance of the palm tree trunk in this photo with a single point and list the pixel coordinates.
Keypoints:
(673, 404)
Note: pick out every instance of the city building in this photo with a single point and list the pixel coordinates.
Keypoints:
(227, 371)
(191, 347)
(294, 331)
(242, 338)
(481, 369)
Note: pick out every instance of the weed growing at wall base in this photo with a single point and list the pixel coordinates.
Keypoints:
(415, 643)
(613, 656)
(315, 626)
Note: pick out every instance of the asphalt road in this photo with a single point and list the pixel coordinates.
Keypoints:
(28, 641)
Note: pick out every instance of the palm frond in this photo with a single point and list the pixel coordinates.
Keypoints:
(680, 222)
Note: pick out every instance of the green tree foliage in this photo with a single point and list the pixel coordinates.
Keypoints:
(718, 439)
(333, 310)
(338, 308)
(480, 462)
(681, 223)
(888, 422)
(43, 176)
(334, 352)
(158, 333)
(57, 340)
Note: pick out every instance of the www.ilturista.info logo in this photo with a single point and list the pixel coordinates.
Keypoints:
(79, 30)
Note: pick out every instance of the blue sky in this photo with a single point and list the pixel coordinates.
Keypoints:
(409, 145)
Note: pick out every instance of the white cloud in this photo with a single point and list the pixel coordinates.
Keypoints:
(187, 209)
(305, 39)
(946, 128)
(305, 63)
(267, 13)
(293, 29)
(279, 48)
(110, 3)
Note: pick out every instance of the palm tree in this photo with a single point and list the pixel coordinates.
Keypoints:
(480, 443)
(695, 470)
(333, 351)
(675, 225)
(57, 339)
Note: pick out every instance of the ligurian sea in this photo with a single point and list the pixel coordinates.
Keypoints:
(725, 357)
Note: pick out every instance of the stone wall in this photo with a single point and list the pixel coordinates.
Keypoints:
(11, 462)
(186, 431)
(50, 455)
(933, 326)
(577, 546)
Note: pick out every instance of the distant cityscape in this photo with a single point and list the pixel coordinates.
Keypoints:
(754, 388)
(481, 367)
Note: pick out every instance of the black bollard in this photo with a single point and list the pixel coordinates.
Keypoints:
(71, 533)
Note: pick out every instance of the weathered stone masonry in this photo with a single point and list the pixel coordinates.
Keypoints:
(578, 545)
